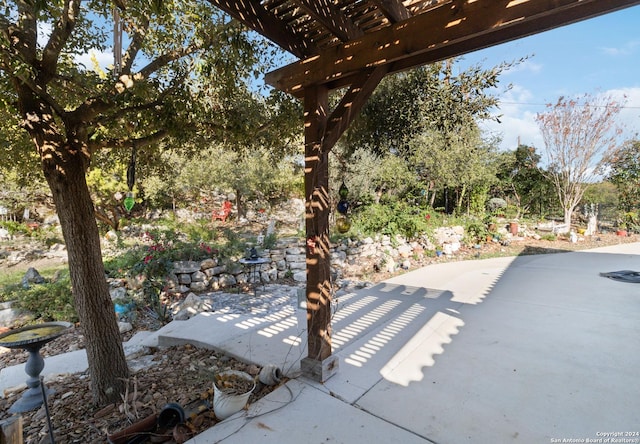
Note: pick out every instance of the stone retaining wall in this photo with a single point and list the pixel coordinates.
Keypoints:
(288, 260)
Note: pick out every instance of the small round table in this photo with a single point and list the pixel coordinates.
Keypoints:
(253, 265)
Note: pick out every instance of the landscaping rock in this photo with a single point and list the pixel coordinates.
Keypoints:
(124, 326)
(227, 280)
(32, 277)
(186, 267)
(198, 286)
(118, 293)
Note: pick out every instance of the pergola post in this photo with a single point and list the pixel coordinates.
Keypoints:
(319, 363)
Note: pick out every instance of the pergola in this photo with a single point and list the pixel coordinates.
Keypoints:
(353, 44)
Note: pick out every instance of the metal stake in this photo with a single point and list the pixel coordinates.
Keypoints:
(46, 409)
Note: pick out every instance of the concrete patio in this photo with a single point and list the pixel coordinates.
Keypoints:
(531, 349)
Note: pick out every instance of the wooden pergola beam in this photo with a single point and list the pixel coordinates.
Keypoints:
(394, 10)
(255, 16)
(451, 29)
(326, 13)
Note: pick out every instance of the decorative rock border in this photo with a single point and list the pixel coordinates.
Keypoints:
(288, 260)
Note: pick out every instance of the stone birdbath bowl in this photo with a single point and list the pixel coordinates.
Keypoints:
(32, 338)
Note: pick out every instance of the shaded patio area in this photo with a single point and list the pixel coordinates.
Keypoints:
(526, 349)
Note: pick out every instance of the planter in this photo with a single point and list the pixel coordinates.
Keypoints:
(513, 228)
(621, 232)
(231, 391)
(270, 375)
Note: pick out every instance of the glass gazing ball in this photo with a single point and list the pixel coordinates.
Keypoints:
(343, 207)
(343, 224)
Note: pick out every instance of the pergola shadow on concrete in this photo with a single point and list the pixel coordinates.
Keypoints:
(354, 44)
(534, 348)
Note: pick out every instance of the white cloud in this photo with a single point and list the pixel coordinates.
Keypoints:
(627, 49)
(104, 59)
(518, 108)
(514, 129)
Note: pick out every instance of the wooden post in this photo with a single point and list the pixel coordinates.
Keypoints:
(321, 132)
(11, 430)
(319, 364)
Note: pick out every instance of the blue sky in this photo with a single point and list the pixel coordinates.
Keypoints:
(600, 55)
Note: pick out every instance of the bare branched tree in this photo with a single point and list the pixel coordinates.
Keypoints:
(579, 135)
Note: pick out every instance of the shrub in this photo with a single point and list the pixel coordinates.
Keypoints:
(14, 227)
(476, 232)
(391, 219)
(50, 301)
(495, 204)
(48, 236)
(270, 241)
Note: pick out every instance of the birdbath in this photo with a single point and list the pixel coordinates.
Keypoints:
(32, 338)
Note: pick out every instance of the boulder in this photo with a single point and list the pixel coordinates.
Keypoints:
(32, 277)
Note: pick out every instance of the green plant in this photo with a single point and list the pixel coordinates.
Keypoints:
(50, 301)
(269, 241)
(549, 237)
(429, 253)
(496, 204)
(48, 236)
(10, 281)
(476, 232)
(391, 219)
(201, 231)
(154, 302)
(629, 220)
(14, 227)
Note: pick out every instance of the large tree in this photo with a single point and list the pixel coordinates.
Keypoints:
(71, 112)
(579, 135)
(439, 97)
(520, 180)
(427, 117)
(624, 173)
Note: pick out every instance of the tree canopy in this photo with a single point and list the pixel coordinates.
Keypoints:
(428, 118)
(624, 173)
(183, 70)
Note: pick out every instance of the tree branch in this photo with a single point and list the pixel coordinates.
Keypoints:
(44, 95)
(164, 59)
(127, 143)
(22, 37)
(59, 36)
(134, 47)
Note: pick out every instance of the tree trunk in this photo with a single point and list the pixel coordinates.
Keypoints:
(567, 218)
(105, 355)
